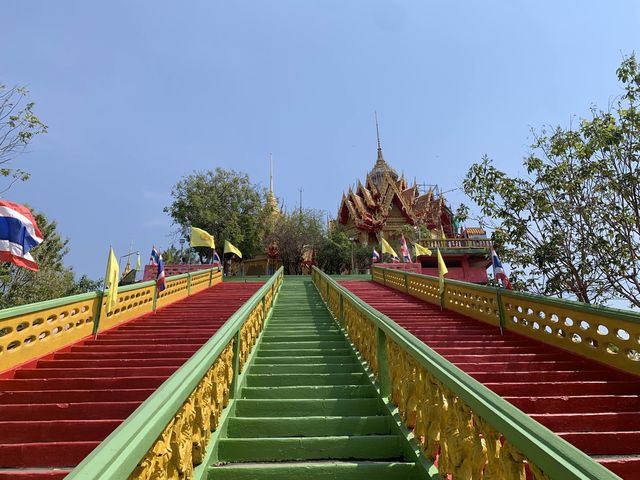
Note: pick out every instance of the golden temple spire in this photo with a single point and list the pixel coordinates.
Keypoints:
(271, 174)
(271, 199)
(380, 158)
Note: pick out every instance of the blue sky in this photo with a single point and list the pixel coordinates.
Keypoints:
(138, 94)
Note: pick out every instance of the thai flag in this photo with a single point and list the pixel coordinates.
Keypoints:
(498, 271)
(405, 251)
(375, 258)
(216, 259)
(156, 259)
(19, 233)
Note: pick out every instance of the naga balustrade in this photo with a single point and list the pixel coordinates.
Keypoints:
(166, 437)
(469, 430)
(31, 331)
(607, 335)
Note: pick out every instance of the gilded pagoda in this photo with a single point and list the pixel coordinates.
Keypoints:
(385, 203)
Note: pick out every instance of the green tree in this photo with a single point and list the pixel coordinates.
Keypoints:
(225, 204)
(296, 233)
(334, 253)
(19, 286)
(572, 226)
(18, 126)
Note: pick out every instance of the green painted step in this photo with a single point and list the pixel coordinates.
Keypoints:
(366, 447)
(307, 407)
(290, 379)
(307, 368)
(307, 359)
(308, 426)
(303, 352)
(316, 471)
(316, 391)
(302, 345)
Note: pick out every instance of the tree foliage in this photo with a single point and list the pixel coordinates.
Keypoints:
(296, 233)
(225, 204)
(18, 126)
(572, 226)
(19, 286)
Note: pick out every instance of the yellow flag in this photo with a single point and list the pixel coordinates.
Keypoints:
(420, 250)
(444, 237)
(442, 270)
(229, 248)
(111, 281)
(386, 248)
(200, 238)
(138, 264)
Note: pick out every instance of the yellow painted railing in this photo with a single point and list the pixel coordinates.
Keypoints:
(31, 331)
(469, 430)
(607, 335)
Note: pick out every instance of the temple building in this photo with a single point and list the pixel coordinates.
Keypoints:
(385, 204)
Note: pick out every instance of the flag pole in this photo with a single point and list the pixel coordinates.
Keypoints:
(96, 324)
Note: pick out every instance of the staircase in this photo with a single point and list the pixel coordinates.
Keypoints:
(54, 412)
(307, 409)
(590, 405)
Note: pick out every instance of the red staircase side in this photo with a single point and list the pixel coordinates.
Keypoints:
(53, 413)
(592, 406)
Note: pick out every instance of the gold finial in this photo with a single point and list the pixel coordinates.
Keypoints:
(270, 173)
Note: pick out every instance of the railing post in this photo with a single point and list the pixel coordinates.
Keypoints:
(189, 283)
(155, 297)
(341, 310)
(236, 364)
(384, 278)
(500, 309)
(406, 282)
(384, 377)
(210, 276)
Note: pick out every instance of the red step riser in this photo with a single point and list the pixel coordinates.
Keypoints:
(551, 376)
(123, 362)
(56, 431)
(591, 422)
(520, 366)
(124, 349)
(81, 383)
(29, 455)
(119, 355)
(158, 342)
(74, 396)
(605, 443)
(67, 411)
(52, 373)
(567, 388)
(57, 474)
(625, 468)
(588, 404)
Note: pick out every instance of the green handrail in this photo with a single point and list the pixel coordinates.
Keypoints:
(118, 455)
(554, 456)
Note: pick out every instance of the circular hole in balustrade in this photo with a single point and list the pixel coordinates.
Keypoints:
(554, 318)
(84, 309)
(530, 311)
(602, 330)
(29, 339)
(536, 326)
(68, 326)
(13, 345)
(524, 322)
(56, 330)
(591, 342)
(514, 319)
(43, 335)
(21, 326)
(37, 322)
(547, 329)
(542, 315)
(75, 311)
(79, 322)
(51, 318)
(633, 355)
(584, 325)
(622, 334)
(561, 333)
(568, 321)
(612, 348)
(5, 331)
(519, 309)
(575, 338)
